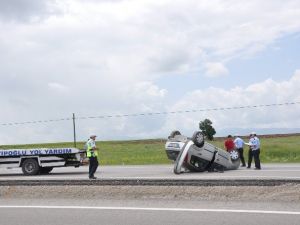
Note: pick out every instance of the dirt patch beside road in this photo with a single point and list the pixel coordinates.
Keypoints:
(283, 193)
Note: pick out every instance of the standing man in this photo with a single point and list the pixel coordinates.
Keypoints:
(229, 144)
(91, 153)
(254, 151)
(239, 144)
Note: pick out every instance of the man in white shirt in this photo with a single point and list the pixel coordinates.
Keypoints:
(239, 144)
(254, 151)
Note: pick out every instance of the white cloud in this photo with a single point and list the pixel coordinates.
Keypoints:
(149, 38)
(142, 90)
(58, 87)
(27, 10)
(105, 57)
(216, 69)
(263, 93)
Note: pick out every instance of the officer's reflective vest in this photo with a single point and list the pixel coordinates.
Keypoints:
(89, 151)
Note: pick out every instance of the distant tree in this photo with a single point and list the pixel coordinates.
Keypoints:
(207, 129)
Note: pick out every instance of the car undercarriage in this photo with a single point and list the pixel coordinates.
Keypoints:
(197, 155)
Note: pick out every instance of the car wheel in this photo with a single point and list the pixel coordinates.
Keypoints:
(30, 167)
(198, 139)
(234, 155)
(174, 133)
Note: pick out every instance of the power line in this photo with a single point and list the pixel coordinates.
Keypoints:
(152, 113)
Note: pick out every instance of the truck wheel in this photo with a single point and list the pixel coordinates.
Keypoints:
(174, 133)
(45, 170)
(198, 139)
(30, 167)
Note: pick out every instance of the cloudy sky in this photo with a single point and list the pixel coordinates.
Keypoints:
(119, 57)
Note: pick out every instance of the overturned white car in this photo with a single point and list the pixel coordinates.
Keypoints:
(196, 155)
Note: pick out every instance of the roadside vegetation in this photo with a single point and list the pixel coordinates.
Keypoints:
(274, 149)
(142, 152)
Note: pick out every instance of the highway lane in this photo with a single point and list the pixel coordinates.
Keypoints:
(77, 215)
(269, 171)
(151, 205)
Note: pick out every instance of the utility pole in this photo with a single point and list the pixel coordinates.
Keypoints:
(74, 130)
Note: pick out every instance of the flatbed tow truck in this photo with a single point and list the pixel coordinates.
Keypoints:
(40, 160)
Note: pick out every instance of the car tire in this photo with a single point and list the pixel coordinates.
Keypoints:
(174, 133)
(234, 155)
(30, 167)
(198, 139)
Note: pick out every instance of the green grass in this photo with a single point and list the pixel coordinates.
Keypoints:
(133, 152)
(143, 152)
(275, 150)
(140, 152)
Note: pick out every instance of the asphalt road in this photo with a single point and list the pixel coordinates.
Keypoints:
(268, 171)
(145, 213)
(133, 205)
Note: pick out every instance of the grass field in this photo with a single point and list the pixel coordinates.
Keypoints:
(276, 149)
(142, 152)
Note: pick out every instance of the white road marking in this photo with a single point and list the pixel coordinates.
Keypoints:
(154, 209)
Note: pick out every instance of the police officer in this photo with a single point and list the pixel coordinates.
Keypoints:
(239, 144)
(91, 153)
(254, 151)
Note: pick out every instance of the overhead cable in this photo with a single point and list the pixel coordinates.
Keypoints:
(152, 113)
